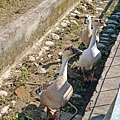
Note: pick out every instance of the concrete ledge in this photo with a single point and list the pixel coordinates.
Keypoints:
(19, 35)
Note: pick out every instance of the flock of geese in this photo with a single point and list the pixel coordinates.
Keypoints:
(59, 92)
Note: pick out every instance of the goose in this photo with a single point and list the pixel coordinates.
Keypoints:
(60, 91)
(86, 34)
(91, 55)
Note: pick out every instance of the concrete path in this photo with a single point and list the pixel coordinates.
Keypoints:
(107, 87)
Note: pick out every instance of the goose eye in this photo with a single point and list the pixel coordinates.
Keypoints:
(100, 20)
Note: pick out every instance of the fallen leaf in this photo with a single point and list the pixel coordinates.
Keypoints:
(22, 93)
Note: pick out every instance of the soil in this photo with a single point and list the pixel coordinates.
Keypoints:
(26, 76)
(12, 9)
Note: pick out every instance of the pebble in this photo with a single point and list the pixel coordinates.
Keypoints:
(60, 53)
(49, 55)
(55, 36)
(3, 93)
(66, 21)
(40, 53)
(42, 70)
(36, 64)
(58, 60)
(106, 1)
(99, 8)
(73, 21)
(46, 48)
(64, 24)
(57, 28)
(49, 43)
(76, 95)
(73, 14)
(101, 2)
(13, 102)
(83, 8)
(31, 59)
(78, 117)
(5, 109)
(77, 12)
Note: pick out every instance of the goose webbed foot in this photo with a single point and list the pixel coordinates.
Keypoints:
(53, 114)
(92, 78)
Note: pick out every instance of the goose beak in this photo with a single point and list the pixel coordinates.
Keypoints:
(102, 23)
(76, 51)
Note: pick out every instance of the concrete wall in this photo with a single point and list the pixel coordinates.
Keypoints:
(20, 34)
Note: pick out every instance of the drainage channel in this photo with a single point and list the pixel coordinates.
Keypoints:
(41, 67)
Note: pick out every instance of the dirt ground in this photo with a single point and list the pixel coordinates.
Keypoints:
(12, 9)
(28, 76)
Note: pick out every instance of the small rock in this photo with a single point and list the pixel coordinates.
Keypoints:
(5, 109)
(49, 55)
(106, 1)
(46, 48)
(99, 8)
(76, 95)
(57, 28)
(77, 12)
(66, 21)
(13, 102)
(73, 14)
(42, 70)
(36, 64)
(31, 59)
(22, 93)
(60, 53)
(41, 59)
(55, 36)
(58, 60)
(49, 43)
(40, 53)
(101, 2)
(83, 8)
(3, 93)
(63, 24)
(73, 21)
(89, 1)
(78, 117)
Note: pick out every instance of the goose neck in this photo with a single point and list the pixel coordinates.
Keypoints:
(88, 25)
(63, 70)
(93, 38)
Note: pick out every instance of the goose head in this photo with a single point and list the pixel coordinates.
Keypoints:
(99, 23)
(87, 19)
(70, 52)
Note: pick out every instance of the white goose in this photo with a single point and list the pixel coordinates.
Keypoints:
(60, 91)
(91, 55)
(86, 34)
